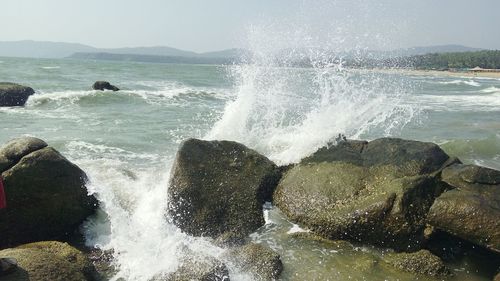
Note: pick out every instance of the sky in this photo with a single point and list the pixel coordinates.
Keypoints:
(209, 25)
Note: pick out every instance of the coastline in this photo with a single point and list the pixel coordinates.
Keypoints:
(419, 72)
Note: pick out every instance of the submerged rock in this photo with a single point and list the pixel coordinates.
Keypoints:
(260, 261)
(375, 192)
(48, 260)
(104, 85)
(46, 194)
(12, 94)
(421, 262)
(471, 210)
(218, 187)
(196, 267)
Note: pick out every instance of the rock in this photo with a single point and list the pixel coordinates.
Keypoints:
(260, 261)
(46, 194)
(218, 187)
(197, 267)
(48, 260)
(377, 192)
(12, 94)
(104, 85)
(14, 150)
(421, 262)
(497, 277)
(471, 211)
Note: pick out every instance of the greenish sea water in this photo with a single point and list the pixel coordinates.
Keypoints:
(126, 141)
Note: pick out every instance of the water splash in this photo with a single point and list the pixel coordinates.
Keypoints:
(287, 112)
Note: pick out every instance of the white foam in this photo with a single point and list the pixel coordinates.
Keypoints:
(450, 102)
(70, 96)
(461, 82)
(491, 89)
(50, 67)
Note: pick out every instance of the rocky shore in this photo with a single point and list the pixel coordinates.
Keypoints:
(407, 197)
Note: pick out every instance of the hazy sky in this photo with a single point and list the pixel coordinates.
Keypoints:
(206, 25)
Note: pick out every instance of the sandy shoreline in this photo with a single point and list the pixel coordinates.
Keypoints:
(438, 73)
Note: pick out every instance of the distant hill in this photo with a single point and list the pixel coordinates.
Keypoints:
(45, 49)
(153, 58)
(415, 51)
(41, 49)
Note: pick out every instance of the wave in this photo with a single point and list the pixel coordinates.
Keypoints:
(70, 97)
(461, 82)
(489, 90)
(484, 151)
(450, 102)
(50, 67)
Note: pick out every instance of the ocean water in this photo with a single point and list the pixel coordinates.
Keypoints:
(126, 141)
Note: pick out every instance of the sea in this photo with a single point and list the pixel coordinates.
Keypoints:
(126, 142)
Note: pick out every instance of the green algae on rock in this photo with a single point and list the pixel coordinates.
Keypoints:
(375, 192)
(49, 260)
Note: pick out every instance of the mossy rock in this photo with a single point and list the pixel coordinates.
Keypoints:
(421, 262)
(354, 191)
(46, 195)
(48, 260)
(12, 94)
(218, 187)
(260, 261)
(471, 210)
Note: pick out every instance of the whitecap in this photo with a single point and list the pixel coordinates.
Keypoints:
(461, 82)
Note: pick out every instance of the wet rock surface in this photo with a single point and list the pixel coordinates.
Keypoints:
(104, 85)
(421, 262)
(48, 260)
(218, 187)
(375, 192)
(12, 94)
(260, 261)
(46, 194)
(471, 210)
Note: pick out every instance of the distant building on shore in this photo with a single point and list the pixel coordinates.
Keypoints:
(479, 69)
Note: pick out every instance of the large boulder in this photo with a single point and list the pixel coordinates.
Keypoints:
(374, 192)
(471, 210)
(104, 85)
(12, 94)
(218, 187)
(46, 194)
(49, 260)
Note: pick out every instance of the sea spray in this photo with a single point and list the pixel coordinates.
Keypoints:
(286, 111)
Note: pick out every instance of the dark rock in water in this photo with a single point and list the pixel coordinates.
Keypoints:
(46, 194)
(48, 260)
(471, 211)
(104, 85)
(262, 262)
(12, 94)
(197, 267)
(377, 192)
(218, 187)
(421, 262)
